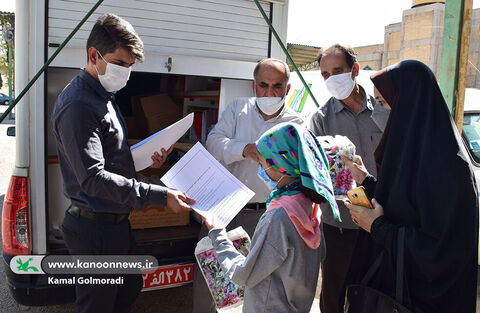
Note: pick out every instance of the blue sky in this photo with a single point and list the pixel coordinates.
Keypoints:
(352, 22)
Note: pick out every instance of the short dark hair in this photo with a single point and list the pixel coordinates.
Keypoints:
(267, 60)
(349, 53)
(111, 32)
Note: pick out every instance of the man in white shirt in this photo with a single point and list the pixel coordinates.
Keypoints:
(232, 142)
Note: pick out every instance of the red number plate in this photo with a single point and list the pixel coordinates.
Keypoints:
(167, 276)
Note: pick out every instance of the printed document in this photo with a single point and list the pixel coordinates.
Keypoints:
(142, 152)
(202, 178)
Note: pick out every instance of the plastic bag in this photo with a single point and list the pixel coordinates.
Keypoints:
(226, 293)
(340, 174)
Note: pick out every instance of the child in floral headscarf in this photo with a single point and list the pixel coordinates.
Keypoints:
(281, 270)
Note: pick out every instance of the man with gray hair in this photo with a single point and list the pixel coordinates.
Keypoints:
(232, 142)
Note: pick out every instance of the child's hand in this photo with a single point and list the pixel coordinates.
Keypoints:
(211, 222)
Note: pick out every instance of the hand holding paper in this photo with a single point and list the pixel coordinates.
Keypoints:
(158, 159)
(210, 221)
(178, 202)
(216, 191)
(143, 151)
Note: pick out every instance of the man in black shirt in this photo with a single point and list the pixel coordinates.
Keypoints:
(97, 166)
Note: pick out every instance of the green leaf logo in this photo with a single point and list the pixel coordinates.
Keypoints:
(23, 266)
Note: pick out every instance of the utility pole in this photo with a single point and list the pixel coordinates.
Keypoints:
(455, 48)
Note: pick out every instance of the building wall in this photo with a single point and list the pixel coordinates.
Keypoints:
(370, 55)
(392, 44)
(419, 37)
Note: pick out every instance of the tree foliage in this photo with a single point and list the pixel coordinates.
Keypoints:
(7, 24)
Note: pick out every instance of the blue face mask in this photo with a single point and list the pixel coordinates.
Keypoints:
(271, 184)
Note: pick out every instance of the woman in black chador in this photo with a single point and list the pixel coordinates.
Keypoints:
(426, 186)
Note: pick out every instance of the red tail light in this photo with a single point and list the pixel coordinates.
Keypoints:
(16, 218)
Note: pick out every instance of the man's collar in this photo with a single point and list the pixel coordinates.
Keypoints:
(367, 103)
(95, 85)
(339, 106)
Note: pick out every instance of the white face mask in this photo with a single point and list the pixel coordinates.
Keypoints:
(340, 85)
(270, 105)
(115, 77)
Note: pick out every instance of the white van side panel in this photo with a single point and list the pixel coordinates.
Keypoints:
(231, 89)
(29, 114)
(155, 63)
(37, 129)
(280, 23)
(232, 30)
(57, 202)
(22, 68)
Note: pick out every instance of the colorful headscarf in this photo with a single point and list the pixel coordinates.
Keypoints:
(295, 152)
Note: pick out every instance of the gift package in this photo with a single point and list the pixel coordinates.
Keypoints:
(225, 292)
(340, 174)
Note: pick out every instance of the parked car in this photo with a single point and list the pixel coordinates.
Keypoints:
(4, 99)
(471, 131)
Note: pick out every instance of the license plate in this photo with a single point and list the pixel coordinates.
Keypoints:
(167, 276)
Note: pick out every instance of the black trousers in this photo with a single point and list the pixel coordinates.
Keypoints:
(88, 237)
(340, 243)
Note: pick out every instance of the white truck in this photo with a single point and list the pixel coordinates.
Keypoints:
(188, 43)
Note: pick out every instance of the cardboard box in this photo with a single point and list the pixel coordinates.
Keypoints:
(135, 128)
(183, 146)
(156, 112)
(153, 216)
(155, 172)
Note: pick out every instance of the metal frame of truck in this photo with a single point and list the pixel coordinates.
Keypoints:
(35, 202)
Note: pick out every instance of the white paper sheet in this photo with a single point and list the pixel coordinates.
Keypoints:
(142, 152)
(216, 191)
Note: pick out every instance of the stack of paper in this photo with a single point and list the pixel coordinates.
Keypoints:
(202, 178)
(143, 151)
